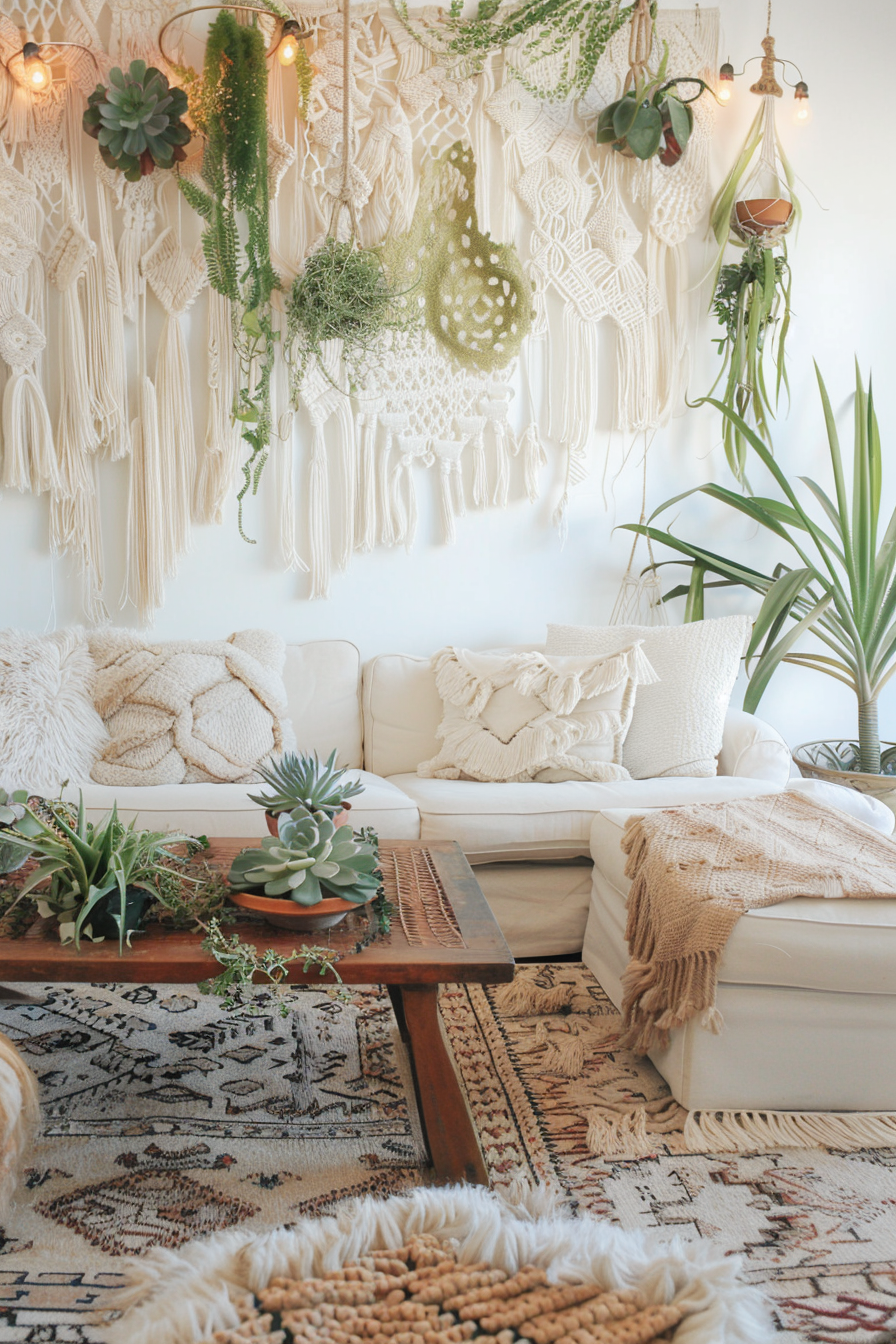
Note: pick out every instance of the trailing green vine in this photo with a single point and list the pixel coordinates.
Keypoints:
(551, 26)
(230, 109)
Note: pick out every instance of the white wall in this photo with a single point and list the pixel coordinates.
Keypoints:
(508, 575)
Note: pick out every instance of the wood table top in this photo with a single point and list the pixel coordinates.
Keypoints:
(442, 931)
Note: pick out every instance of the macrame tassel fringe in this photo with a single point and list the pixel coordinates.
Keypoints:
(446, 502)
(480, 471)
(147, 529)
(346, 424)
(220, 460)
(770, 1131)
(319, 520)
(76, 436)
(284, 484)
(177, 453)
(29, 454)
(534, 458)
(504, 448)
(105, 337)
(75, 531)
(523, 998)
(564, 1051)
(365, 516)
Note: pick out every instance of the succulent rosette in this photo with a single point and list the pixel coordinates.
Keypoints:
(309, 859)
(137, 119)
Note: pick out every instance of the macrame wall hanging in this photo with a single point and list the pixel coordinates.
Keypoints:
(505, 236)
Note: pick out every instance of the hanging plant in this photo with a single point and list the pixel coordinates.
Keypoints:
(580, 29)
(343, 293)
(231, 111)
(652, 119)
(137, 120)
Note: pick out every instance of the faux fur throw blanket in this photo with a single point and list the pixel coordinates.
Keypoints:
(695, 870)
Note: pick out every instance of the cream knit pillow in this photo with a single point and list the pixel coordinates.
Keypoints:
(189, 711)
(524, 717)
(678, 724)
(49, 729)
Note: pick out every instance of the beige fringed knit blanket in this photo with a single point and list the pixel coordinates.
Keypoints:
(695, 870)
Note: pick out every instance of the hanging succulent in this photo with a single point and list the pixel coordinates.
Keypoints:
(651, 119)
(344, 293)
(231, 111)
(579, 29)
(137, 119)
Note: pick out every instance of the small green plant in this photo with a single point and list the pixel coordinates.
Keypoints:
(309, 857)
(242, 964)
(303, 781)
(652, 119)
(842, 586)
(95, 878)
(137, 121)
(12, 810)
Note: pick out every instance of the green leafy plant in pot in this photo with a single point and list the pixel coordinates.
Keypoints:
(651, 119)
(96, 878)
(138, 121)
(839, 585)
(305, 783)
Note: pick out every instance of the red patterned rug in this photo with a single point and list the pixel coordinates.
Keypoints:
(165, 1119)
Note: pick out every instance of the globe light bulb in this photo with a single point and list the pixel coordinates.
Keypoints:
(726, 83)
(288, 48)
(38, 75)
(802, 108)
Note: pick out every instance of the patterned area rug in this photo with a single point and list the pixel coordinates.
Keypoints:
(166, 1119)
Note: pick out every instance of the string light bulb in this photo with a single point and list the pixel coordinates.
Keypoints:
(38, 75)
(802, 106)
(288, 47)
(726, 82)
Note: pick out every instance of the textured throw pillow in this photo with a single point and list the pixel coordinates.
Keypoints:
(525, 717)
(49, 729)
(678, 724)
(189, 711)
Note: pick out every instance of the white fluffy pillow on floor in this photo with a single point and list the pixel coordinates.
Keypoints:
(679, 722)
(524, 717)
(49, 728)
(190, 711)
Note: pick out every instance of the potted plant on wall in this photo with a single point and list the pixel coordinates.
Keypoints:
(840, 585)
(302, 783)
(652, 118)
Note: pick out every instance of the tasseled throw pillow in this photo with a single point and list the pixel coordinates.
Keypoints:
(49, 728)
(189, 711)
(525, 717)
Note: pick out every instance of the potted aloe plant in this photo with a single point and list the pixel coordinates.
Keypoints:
(309, 875)
(302, 782)
(838, 583)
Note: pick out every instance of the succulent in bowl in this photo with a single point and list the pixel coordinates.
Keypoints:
(308, 859)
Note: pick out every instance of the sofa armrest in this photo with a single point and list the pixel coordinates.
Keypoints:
(753, 749)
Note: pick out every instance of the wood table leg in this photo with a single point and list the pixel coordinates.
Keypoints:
(447, 1123)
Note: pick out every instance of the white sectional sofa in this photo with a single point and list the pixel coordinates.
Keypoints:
(531, 843)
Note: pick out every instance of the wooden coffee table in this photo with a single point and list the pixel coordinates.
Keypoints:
(443, 932)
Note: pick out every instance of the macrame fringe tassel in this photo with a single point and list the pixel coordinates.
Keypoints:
(523, 998)
(284, 484)
(346, 424)
(76, 436)
(319, 520)
(534, 458)
(147, 529)
(177, 453)
(75, 531)
(29, 454)
(504, 448)
(564, 1051)
(769, 1131)
(383, 480)
(446, 502)
(220, 460)
(365, 516)
(105, 337)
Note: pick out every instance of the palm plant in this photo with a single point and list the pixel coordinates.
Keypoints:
(841, 585)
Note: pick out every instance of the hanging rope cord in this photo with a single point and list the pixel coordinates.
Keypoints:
(345, 199)
(640, 42)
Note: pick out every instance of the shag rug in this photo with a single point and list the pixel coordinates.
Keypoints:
(166, 1120)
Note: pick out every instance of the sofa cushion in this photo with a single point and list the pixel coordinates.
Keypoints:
(323, 685)
(843, 946)
(189, 711)
(497, 822)
(525, 717)
(224, 809)
(49, 728)
(678, 724)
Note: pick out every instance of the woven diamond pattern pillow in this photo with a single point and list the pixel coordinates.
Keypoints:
(525, 717)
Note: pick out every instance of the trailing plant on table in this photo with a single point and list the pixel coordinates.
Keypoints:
(230, 109)
(96, 878)
(580, 29)
(839, 584)
(303, 781)
(243, 966)
(138, 121)
(309, 857)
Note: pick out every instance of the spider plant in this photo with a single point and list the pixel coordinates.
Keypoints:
(840, 578)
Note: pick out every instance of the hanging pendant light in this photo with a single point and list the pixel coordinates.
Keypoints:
(38, 75)
(288, 46)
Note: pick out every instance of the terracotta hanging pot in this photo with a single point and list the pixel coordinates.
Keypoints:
(763, 214)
